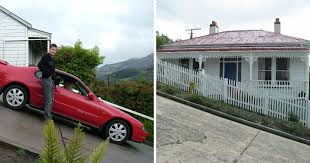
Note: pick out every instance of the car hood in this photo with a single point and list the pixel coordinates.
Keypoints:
(115, 112)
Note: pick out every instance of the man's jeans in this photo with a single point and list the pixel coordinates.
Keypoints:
(48, 89)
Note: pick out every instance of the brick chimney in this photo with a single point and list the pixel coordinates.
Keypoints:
(277, 26)
(213, 28)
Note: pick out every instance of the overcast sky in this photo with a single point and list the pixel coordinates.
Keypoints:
(122, 29)
(174, 16)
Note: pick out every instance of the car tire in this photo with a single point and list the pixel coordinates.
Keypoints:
(15, 97)
(118, 131)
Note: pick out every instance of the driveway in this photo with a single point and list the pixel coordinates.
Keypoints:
(188, 135)
(24, 129)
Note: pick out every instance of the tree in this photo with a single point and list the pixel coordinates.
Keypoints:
(162, 40)
(79, 61)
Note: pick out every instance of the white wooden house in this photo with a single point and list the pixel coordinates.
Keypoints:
(257, 70)
(20, 43)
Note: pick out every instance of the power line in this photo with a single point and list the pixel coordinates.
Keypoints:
(164, 10)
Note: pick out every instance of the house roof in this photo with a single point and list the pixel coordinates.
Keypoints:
(239, 40)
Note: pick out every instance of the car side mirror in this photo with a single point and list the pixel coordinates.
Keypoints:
(92, 96)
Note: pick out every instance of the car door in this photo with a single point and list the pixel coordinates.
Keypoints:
(76, 105)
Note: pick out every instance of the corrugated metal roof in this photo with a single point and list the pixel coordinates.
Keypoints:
(240, 38)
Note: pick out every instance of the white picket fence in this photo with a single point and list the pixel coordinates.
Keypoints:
(264, 99)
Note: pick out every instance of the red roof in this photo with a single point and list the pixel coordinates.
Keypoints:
(238, 40)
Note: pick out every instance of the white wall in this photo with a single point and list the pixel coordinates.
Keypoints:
(212, 66)
(14, 52)
(297, 69)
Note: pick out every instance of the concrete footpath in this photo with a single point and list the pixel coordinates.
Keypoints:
(185, 134)
(25, 129)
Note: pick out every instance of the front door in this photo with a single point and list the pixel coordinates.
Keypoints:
(230, 71)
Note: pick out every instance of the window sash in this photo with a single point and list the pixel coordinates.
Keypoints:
(265, 64)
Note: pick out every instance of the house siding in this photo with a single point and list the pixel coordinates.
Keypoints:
(297, 70)
(212, 66)
(32, 33)
(14, 52)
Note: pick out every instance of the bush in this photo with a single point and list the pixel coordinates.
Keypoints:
(170, 90)
(78, 61)
(293, 117)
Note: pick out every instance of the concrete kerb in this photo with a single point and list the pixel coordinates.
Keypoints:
(19, 145)
(236, 119)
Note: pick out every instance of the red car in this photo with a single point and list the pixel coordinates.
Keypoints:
(22, 85)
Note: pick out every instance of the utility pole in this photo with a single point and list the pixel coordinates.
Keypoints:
(108, 79)
(192, 29)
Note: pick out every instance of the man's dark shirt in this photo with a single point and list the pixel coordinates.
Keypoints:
(47, 66)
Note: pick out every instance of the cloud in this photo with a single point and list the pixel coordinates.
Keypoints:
(111, 25)
(173, 16)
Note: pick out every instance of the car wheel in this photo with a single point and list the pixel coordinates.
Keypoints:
(118, 131)
(15, 97)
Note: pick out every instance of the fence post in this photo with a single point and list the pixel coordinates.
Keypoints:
(266, 104)
(308, 118)
(201, 84)
(225, 89)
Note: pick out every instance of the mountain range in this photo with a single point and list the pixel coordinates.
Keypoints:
(131, 69)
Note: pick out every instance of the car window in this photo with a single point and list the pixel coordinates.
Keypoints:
(70, 84)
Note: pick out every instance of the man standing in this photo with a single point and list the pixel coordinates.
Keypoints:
(47, 67)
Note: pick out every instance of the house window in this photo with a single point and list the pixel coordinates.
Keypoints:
(282, 69)
(264, 68)
(184, 63)
(273, 69)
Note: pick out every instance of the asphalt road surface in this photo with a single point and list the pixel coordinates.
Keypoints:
(188, 135)
(24, 129)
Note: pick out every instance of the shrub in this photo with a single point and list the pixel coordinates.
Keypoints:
(79, 61)
(170, 90)
(293, 117)
(191, 87)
